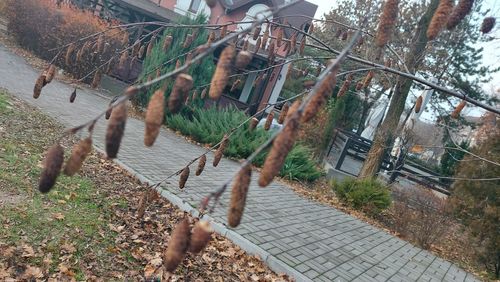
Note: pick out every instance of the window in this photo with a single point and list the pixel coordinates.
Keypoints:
(194, 6)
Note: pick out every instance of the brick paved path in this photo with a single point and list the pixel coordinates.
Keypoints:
(308, 240)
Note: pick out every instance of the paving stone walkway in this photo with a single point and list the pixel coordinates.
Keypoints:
(308, 240)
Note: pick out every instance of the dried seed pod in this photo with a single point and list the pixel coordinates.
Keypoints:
(279, 37)
(418, 104)
(203, 93)
(183, 83)
(72, 97)
(125, 38)
(462, 9)
(235, 85)
(280, 148)
(39, 84)
(387, 21)
(238, 196)
(256, 32)
(269, 120)
(220, 150)
(211, 37)
(283, 113)
(223, 32)
(187, 41)
(123, 60)
(52, 165)
(265, 39)
(222, 72)
(184, 177)
(456, 113)
(257, 45)
(167, 42)
(345, 86)
(368, 79)
(302, 46)
(100, 43)
(253, 123)
(140, 54)
(488, 25)
(200, 236)
(439, 18)
(293, 43)
(211, 3)
(97, 79)
(116, 128)
(201, 165)
(78, 154)
(243, 59)
(177, 245)
(69, 53)
(154, 117)
(150, 46)
(320, 96)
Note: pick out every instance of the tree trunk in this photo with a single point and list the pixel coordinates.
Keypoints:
(384, 136)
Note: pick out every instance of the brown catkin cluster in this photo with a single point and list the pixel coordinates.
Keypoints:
(238, 196)
(187, 41)
(39, 84)
(265, 39)
(462, 9)
(125, 38)
(293, 43)
(115, 130)
(177, 245)
(279, 37)
(235, 85)
(223, 32)
(257, 46)
(283, 113)
(167, 42)
(72, 97)
(184, 177)
(418, 104)
(253, 123)
(269, 120)
(345, 86)
(320, 96)
(222, 72)
(439, 18)
(97, 79)
(183, 83)
(50, 74)
(142, 50)
(200, 236)
(281, 147)
(387, 22)
(488, 25)
(271, 55)
(456, 113)
(52, 165)
(211, 37)
(302, 46)
(243, 59)
(368, 79)
(123, 60)
(78, 155)
(69, 53)
(154, 118)
(220, 150)
(201, 165)
(256, 32)
(150, 46)
(203, 93)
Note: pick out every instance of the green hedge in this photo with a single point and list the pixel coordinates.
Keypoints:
(208, 126)
(368, 195)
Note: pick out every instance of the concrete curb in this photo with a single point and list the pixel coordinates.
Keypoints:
(272, 262)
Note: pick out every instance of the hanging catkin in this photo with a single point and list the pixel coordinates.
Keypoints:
(184, 177)
(257, 46)
(345, 35)
(462, 9)
(69, 54)
(235, 85)
(238, 196)
(265, 38)
(387, 21)
(439, 18)
(243, 59)
(115, 130)
(223, 31)
(178, 64)
(279, 37)
(167, 42)
(110, 65)
(359, 85)
(52, 165)
(211, 37)
(320, 96)
(488, 25)
(195, 94)
(281, 147)
(40, 82)
(123, 60)
(97, 79)
(150, 46)
(200, 236)
(203, 93)
(293, 43)
(256, 32)
(302, 46)
(177, 245)
(270, 55)
(154, 118)
(187, 41)
(220, 150)
(72, 97)
(368, 79)
(78, 154)
(201, 165)
(100, 43)
(283, 113)
(253, 123)
(125, 38)
(183, 83)
(269, 120)
(418, 104)
(345, 86)
(140, 54)
(245, 45)
(222, 72)
(456, 113)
